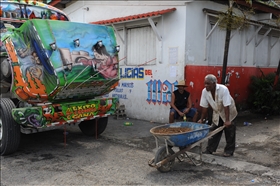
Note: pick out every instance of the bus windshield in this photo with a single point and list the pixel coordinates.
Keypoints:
(13, 13)
(18, 12)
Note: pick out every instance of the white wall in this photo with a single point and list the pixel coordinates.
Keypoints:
(195, 31)
(240, 53)
(183, 31)
(103, 10)
(172, 29)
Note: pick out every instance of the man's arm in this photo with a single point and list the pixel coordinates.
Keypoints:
(227, 123)
(203, 115)
(204, 105)
(227, 112)
(189, 105)
(227, 102)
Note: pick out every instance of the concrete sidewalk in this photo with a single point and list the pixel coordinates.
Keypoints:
(257, 146)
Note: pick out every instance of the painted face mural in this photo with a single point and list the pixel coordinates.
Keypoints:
(35, 71)
(102, 61)
(66, 68)
(29, 117)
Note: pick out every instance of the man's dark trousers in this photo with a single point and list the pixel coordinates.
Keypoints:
(214, 141)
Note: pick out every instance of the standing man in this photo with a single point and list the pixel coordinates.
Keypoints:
(217, 97)
(181, 104)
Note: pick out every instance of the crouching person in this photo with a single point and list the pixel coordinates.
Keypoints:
(181, 104)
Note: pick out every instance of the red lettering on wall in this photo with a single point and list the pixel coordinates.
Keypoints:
(148, 72)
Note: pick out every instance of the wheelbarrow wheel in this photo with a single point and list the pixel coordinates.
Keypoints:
(161, 155)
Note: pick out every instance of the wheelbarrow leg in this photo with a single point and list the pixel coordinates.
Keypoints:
(179, 159)
(193, 160)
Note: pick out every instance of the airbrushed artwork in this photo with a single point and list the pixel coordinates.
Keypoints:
(53, 72)
(58, 114)
(53, 66)
(15, 9)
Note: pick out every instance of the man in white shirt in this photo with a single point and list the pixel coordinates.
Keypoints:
(217, 97)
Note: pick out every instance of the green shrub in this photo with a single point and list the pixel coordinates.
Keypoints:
(264, 97)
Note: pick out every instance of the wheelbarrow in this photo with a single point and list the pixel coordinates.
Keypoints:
(185, 135)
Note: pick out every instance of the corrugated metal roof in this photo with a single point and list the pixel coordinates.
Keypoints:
(261, 6)
(134, 17)
(273, 3)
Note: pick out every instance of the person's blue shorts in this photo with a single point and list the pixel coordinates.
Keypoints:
(190, 114)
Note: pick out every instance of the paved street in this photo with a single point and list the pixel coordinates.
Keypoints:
(257, 145)
(120, 157)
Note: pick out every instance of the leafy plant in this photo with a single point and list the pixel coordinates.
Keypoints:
(237, 19)
(264, 97)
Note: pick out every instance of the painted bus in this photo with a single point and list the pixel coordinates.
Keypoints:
(53, 72)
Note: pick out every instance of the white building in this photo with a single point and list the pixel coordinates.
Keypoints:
(163, 42)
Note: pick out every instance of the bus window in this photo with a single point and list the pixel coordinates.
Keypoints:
(12, 10)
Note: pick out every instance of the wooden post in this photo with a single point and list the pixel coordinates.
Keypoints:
(227, 42)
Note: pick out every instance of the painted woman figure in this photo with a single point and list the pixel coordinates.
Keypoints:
(103, 62)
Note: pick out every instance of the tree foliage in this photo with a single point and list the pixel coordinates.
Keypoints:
(249, 2)
(264, 97)
(236, 20)
(237, 17)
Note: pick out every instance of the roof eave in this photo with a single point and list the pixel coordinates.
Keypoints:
(133, 18)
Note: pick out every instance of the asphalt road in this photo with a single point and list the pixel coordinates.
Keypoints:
(47, 159)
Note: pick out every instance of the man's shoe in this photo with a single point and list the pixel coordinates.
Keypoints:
(207, 152)
(228, 154)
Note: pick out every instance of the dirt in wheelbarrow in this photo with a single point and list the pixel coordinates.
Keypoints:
(172, 130)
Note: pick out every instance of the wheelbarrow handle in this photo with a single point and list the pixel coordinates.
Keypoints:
(215, 131)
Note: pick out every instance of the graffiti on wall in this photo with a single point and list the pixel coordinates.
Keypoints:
(137, 73)
(132, 73)
(228, 75)
(149, 72)
(119, 91)
(160, 92)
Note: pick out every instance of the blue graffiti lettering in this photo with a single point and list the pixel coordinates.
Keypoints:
(160, 92)
(128, 85)
(120, 96)
(118, 90)
(132, 73)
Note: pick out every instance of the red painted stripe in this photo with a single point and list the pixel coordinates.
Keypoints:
(240, 80)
